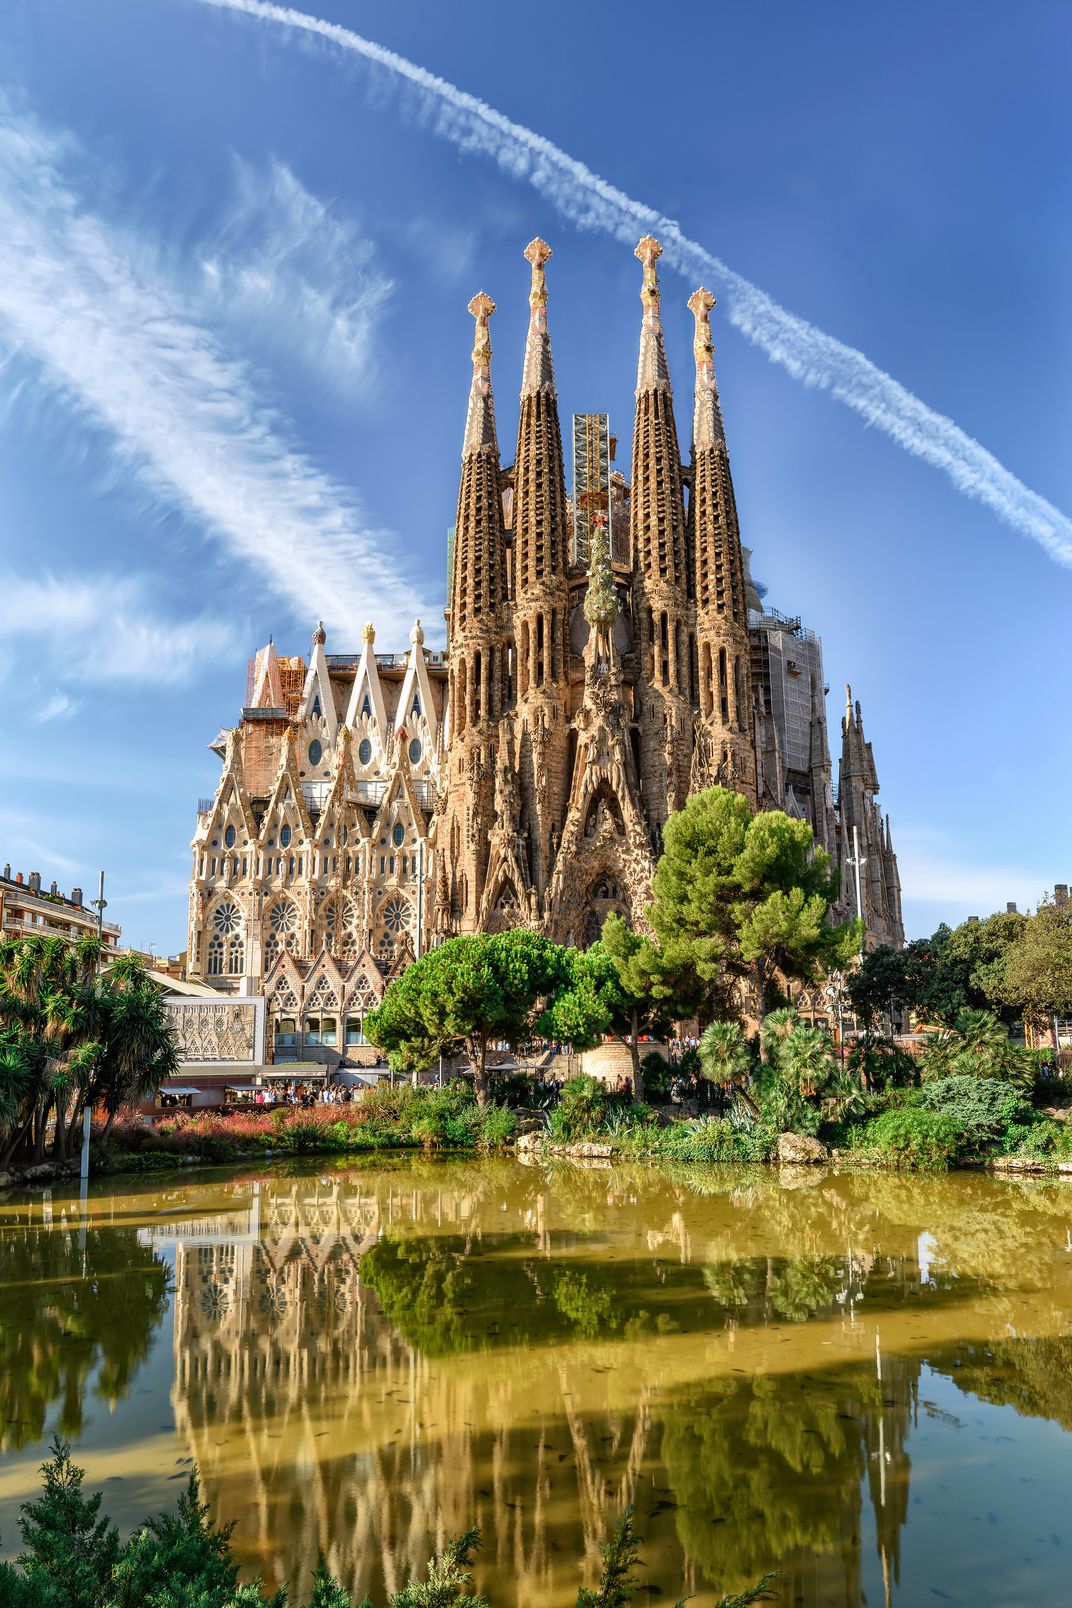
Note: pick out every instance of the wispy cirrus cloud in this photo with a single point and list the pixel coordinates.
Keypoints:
(296, 277)
(89, 631)
(807, 353)
(119, 338)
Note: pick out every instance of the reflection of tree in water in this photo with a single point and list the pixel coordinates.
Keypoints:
(65, 1312)
(1034, 1376)
(410, 1350)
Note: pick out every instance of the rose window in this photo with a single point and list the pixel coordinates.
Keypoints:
(281, 917)
(227, 918)
(395, 915)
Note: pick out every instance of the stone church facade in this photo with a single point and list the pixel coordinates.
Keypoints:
(370, 805)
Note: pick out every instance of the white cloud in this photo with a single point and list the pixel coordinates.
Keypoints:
(104, 630)
(807, 353)
(59, 707)
(296, 278)
(111, 333)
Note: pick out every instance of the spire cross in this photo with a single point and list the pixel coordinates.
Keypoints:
(481, 307)
(537, 253)
(649, 251)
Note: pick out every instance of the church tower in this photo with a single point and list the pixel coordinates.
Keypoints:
(477, 668)
(535, 742)
(662, 605)
(724, 749)
(863, 833)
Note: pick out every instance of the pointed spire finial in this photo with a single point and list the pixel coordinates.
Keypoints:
(368, 635)
(707, 427)
(653, 372)
(649, 251)
(320, 636)
(538, 373)
(538, 252)
(416, 636)
(848, 702)
(480, 422)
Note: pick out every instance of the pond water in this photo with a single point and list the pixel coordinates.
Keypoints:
(863, 1382)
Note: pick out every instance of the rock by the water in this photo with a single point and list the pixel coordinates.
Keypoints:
(798, 1150)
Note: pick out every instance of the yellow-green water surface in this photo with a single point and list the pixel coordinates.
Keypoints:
(862, 1382)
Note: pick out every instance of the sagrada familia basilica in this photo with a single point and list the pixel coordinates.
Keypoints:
(607, 655)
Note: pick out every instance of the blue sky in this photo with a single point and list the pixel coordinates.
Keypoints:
(234, 265)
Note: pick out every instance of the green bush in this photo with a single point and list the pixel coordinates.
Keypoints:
(914, 1139)
(581, 1109)
(498, 1125)
(657, 1077)
(980, 1109)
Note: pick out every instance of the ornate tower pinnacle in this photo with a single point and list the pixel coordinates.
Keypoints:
(480, 420)
(653, 372)
(707, 427)
(368, 634)
(538, 373)
(320, 636)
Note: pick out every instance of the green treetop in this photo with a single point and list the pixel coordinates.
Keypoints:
(747, 895)
(471, 992)
(622, 986)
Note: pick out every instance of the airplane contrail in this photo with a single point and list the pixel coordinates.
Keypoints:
(807, 353)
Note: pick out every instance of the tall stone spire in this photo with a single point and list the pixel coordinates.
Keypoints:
(478, 567)
(476, 657)
(863, 829)
(725, 683)
(661, 581)
(541, 603)
(539, 477)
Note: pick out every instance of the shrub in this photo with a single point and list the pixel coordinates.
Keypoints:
(978, 1046)
(581, 1109)
(498, 1125)
(913, 1138)
(980, 1109)
(725, 1056)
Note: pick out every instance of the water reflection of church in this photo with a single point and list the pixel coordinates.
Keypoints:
(325, 1415)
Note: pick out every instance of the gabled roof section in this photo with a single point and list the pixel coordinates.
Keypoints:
(267, 682)
(416, 683)
(287, 788)
(367, 685)
(318, 684)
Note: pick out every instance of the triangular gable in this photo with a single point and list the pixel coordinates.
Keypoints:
(318, 687)
(400, 783)
(367, 685)
(287, 787)
(285, 976)
(267, 685)
(231, 790)
(416, 684)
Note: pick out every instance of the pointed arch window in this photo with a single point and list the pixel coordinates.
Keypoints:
(236, 956)
(366, 706)
(316, 709)
(416, 709)
(214, 966)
